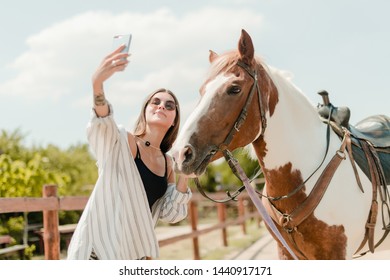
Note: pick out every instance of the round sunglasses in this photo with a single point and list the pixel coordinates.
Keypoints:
(169, 104)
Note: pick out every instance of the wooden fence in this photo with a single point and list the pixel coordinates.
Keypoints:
(50, 204)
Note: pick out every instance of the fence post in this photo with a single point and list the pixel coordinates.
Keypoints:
(51, 235)
(194, 227)
(222, 219)
(241, 213)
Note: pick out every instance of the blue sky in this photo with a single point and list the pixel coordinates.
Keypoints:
(50, 49)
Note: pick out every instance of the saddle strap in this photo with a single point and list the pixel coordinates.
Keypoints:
(377, 179)
(306, 208)
(372, 215)
(276, 215)
(290, 222)
(352, 160)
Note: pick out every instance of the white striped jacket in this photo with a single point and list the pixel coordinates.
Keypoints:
(116, 222)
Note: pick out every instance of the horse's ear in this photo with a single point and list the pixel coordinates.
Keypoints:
(245, 47)
(212, 56)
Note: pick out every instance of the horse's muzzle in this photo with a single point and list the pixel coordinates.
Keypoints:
(184, 158)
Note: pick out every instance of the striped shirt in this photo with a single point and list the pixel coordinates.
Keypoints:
(117, 222)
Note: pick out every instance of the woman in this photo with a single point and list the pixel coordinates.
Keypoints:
(136, 183)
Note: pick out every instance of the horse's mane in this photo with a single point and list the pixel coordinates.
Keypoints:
(227, 60)
(223, 62)
(282, 79)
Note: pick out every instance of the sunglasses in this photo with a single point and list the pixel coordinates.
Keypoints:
(169, 104)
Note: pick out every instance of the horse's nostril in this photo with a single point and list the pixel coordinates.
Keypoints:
(188, 154)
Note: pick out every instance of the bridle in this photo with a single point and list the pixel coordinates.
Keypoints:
(235, 166)
(239, 173)
(244, 112)
(288, 221)
(223, 147)
(284, 220)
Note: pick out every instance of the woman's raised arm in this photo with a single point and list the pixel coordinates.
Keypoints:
(114, 62)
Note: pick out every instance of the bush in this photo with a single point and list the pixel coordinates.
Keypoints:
(25, 170)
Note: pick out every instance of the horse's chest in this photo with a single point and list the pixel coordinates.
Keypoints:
(310, 236)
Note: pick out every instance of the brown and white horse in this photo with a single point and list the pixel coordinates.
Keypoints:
(289, 141)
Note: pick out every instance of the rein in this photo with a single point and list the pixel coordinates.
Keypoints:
(284, 221)
(223, 147)
(290, 221)
(230, 196)
(237, 169)
(244, 112)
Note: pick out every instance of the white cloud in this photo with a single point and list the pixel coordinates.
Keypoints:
(53, 75)
(167, 49)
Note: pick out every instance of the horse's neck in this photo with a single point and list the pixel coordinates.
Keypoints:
(294, 132)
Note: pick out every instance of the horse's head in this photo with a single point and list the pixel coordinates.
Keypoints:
(229, 89)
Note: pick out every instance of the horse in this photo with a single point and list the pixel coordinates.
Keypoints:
(246, 103)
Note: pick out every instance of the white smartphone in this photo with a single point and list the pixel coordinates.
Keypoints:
(122, 40)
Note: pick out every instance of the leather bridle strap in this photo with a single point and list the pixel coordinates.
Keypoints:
(235, 166)
(259, 206)
(296, 189)
(242, 117)
(290, 221)
(230, 196)
(236, 127)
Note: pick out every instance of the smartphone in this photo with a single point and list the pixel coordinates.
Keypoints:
(122, 40)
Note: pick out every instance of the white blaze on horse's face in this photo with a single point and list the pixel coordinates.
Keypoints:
(190, 127)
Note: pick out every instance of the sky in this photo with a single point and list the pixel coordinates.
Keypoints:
(50, 49)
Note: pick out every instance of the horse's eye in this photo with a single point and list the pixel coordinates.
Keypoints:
(233, 90)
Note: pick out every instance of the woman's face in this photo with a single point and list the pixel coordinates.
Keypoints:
(161, 110)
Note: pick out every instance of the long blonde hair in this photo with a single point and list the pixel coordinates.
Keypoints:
(170, 136)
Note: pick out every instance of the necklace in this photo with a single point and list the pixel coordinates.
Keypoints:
(147, 144)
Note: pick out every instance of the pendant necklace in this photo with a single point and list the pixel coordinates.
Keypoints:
(147, 144)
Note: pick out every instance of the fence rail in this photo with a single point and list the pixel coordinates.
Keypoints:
(50, 204)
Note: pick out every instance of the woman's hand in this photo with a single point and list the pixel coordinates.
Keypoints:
(114, 62)
(182, 183)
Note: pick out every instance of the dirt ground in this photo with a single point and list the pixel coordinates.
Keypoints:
(210, 244)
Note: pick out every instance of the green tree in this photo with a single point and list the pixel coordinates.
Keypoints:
(219, 176)
(11, 144)
(20, 178)
(77, 163)
(24, 171)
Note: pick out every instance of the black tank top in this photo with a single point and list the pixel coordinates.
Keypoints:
(155, 186)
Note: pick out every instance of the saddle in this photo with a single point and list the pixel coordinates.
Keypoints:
(368, 146)
(374, 130)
